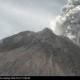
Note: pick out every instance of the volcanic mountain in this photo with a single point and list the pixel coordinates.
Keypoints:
(39, 54)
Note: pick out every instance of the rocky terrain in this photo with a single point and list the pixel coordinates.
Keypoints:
(39, 54)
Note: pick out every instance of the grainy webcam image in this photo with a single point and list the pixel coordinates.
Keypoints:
(39, 38)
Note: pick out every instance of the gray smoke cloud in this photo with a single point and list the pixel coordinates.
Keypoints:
(68, 23)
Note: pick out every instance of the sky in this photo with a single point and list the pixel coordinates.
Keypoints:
(27, 15)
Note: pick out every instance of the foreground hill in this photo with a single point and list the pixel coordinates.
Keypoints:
(39, 54)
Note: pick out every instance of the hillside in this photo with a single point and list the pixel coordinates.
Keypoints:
(39, 54)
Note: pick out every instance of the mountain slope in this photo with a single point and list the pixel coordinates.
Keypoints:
(39, 54)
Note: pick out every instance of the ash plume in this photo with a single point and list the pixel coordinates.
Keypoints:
(68, 23)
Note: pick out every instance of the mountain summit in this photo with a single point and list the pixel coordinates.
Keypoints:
(39, 54)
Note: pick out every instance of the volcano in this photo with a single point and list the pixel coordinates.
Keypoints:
(39, 54)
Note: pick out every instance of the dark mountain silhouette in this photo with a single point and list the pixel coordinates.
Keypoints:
(39, 54)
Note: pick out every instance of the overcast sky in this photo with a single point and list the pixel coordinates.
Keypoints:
(22, 15)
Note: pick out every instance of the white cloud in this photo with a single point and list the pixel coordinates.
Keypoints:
(68, 22)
